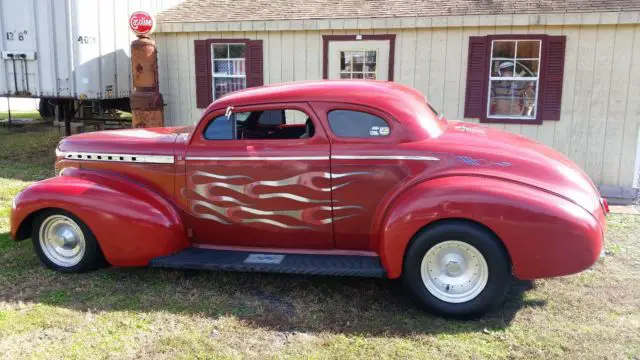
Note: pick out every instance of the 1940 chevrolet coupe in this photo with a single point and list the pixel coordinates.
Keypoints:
(359, 178)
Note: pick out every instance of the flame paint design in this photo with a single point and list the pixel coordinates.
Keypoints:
(228, 210)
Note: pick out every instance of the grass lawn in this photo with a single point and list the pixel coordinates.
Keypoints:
(152, 313)
(20, 114)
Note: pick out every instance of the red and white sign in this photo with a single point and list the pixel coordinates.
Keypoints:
(142, 23)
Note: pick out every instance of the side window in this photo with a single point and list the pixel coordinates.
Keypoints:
(221, 128)
(269, 124)
(357, 124)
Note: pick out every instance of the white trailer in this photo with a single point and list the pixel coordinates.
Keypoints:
(69, 50)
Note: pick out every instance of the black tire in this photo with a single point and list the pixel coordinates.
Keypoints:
(91, 259)
(46, 109)
(489, 246)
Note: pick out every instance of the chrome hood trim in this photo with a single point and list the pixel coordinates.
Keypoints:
(128, 158)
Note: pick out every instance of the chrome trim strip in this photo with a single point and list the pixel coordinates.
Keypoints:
(132, 158)
(384, 157)
(295, 158)
(253, 158)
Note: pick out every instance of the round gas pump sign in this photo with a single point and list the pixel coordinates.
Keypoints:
(142, 23)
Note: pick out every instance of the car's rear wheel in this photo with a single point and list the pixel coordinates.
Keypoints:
(457, 269)
(65, 243)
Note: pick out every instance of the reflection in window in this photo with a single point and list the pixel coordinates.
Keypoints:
(514, 77)
(229, 68)
(358, 64)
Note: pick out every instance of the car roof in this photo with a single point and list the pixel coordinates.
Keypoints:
(404, 104)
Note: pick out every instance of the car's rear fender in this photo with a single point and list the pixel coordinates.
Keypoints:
(545, 235)
(132, 223)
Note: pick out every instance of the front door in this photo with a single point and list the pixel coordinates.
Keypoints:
(260, 177)
(362, 59)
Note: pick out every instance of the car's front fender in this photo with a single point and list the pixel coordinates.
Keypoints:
(132, 223)
(544, 234)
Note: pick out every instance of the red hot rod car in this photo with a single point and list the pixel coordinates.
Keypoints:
(358, 178)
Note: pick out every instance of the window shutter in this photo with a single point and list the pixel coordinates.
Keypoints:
(477, 77)
(553, 74)
(203, 74)
(255, 64)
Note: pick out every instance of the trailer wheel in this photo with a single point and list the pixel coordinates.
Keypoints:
(46, 109)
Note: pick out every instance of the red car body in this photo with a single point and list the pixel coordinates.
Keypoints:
(148, 193)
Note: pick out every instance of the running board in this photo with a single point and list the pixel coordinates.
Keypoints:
(228, 260)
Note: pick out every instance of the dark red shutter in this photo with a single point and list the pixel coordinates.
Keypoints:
(203, 74)
(255, 64)
(477, 77)
(553, 73)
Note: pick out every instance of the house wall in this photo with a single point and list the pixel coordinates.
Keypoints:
(600, 112)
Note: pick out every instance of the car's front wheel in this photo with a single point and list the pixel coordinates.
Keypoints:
(457, 269)
(65, 243)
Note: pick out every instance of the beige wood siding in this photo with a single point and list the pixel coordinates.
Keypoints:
(600, 110)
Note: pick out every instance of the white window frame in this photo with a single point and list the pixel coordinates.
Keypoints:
(215, 75)
(363, 72)
(530, 78)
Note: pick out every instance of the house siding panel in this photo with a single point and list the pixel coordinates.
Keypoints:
(620, 81)
(631, 119)
(599, 121)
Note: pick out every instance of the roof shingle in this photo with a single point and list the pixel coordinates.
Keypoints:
(251, 10)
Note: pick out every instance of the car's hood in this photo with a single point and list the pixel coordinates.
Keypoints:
(149, 141)
(487, 151)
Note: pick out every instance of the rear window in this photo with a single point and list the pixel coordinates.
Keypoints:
(357, 124)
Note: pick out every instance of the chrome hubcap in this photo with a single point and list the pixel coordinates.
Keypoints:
(62, 240)
(454, 271)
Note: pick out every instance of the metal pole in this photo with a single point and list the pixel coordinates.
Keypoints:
(9, 111)
(67, 119)
(15, 74)
(56, 116)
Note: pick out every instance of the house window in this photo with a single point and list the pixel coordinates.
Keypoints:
(513, 79)
(226, 65)
(358, 64)
(229, 68)
(358, 57)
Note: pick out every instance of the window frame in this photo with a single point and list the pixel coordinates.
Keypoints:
(364, 52)
(213, 67)
(261, 107)
(513, 78)
(485, 118)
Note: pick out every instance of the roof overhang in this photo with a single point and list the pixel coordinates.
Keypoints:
(587, 18)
